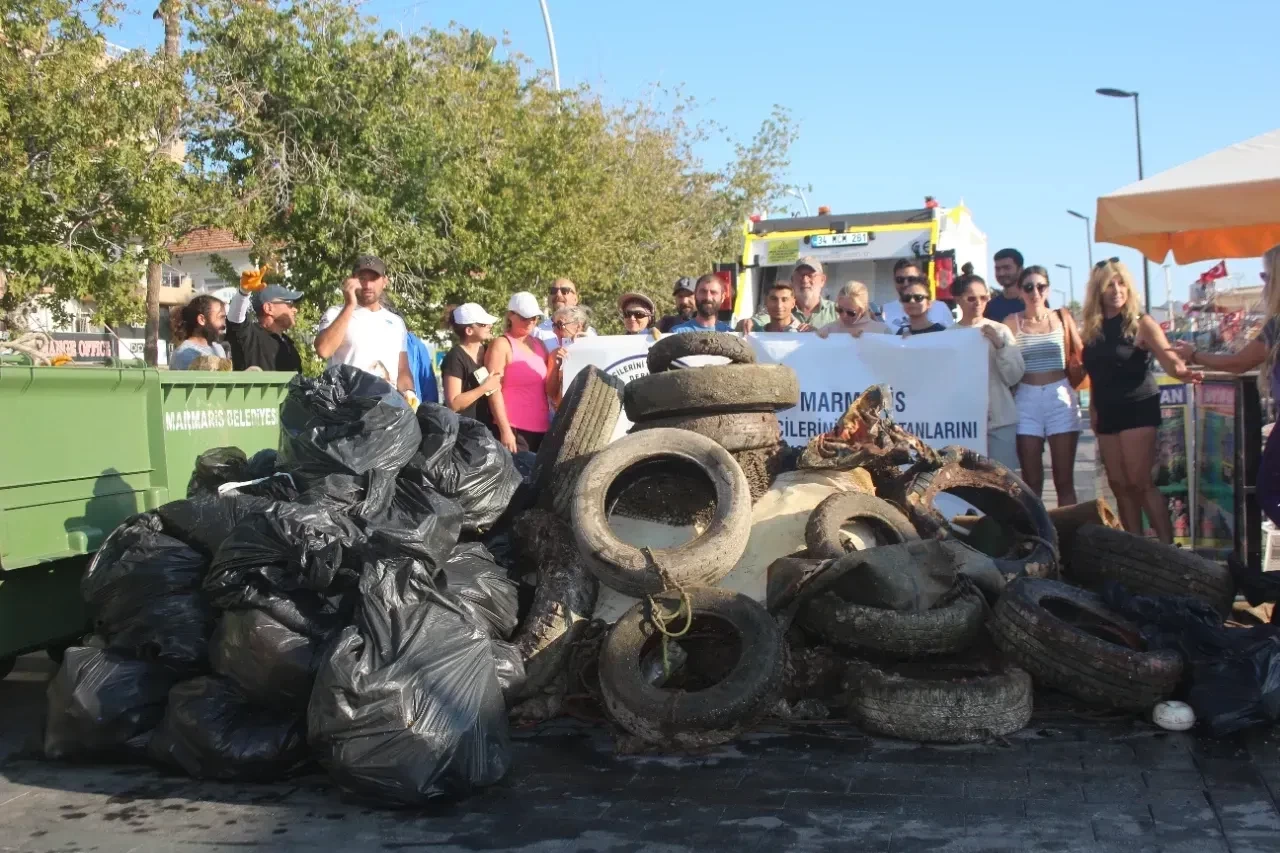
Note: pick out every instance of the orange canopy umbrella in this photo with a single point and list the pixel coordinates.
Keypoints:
(1222, 205)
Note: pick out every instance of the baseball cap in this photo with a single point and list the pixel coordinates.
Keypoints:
(636, 297)
(470, 312)
(371, 263)
(274, 293)
(683, 283)
(525, 304)
(811, 262)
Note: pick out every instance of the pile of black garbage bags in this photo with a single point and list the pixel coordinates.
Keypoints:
(333, 602)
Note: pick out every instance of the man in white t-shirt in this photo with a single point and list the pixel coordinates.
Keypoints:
(561, 294)
(364, 334)
(905, 272)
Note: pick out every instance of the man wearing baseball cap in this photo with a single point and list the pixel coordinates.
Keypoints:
(812, 311)
(263, 345)
(364, 334)
(686, 305)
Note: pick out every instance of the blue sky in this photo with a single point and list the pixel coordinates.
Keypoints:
(961, 100)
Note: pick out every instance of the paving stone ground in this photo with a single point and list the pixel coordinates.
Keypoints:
(1065, 784)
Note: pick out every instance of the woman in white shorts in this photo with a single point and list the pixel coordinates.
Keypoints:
(1048, 408)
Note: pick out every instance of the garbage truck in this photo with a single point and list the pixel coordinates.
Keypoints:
(858, 246)
(84, 448)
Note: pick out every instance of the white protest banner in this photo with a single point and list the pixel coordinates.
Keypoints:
(938, 381)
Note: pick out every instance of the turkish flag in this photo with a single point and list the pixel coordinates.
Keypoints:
(1218, 270)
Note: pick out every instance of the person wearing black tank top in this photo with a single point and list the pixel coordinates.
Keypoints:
(1120, 344)
(465, 392)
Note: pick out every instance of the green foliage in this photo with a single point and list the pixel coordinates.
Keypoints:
(81, 172)
(330, 137)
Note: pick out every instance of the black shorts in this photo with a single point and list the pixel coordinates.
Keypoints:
(526, 442)
(1132, 414)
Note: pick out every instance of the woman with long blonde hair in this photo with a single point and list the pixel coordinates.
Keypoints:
(1120, 344)
(1259, 352)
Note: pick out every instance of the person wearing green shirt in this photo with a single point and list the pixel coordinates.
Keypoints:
(811, 310)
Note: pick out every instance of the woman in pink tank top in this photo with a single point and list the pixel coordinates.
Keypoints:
(520, 411)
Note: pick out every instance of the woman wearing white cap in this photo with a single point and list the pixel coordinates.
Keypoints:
(521, 414)
(467, 384)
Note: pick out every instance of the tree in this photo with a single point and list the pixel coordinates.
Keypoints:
(89, 194)
(471, 178)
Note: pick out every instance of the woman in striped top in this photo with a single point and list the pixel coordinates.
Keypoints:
(1048, 408)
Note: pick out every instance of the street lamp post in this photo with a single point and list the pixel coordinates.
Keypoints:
(1088, 234)
(795, 191)
(551, 42)
(1066, 305)
(1137, 128)
(1071, 280)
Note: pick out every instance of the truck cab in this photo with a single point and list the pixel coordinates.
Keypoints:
(858, 246)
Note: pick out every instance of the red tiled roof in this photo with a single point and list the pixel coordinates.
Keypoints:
(207, 240)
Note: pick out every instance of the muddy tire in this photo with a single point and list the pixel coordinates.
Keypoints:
(703, 717)
(939, 702)
(760, 467)
(949, 628)
(735, 432)
(703, 560)
(1041, 626)
(590, 411)
(1100, 554)
(996, 491)
(675, 347)
(716, 389)
(822, 535)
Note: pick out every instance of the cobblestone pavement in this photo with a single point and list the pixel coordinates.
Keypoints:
(1065, 784)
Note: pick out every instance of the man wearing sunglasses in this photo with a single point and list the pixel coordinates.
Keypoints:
(1008, 268)
(908, 272)
(562, 293)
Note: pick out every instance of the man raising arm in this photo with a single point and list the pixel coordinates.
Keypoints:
(363, 333)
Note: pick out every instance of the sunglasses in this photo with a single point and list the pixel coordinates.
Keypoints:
(908, 279)
(562, 326)
(912, 297)
(845, 312)
(1100, 264)
(561, 290)
(974, 300)
(1032, 288)
(636, 315)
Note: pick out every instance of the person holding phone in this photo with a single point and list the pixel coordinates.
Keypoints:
(467, 384)
(569, 324)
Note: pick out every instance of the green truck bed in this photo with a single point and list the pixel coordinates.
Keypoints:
(83, 448)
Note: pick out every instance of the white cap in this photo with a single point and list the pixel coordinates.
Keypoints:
(471, 312)
(525, 304)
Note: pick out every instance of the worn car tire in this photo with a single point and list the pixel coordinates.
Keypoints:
(1069, 658)
(706, 558)
(760, 467)
(675, 347)
(943, 702)
(1100, 554)
(949, 628)
(715, 389)
(997, 491)
(822, 533)
(589, 415)
(734, 432)
(703, 717)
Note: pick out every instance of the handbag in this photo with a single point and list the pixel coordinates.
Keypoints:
(1075, 359)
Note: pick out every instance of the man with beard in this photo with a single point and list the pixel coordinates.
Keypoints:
(263, 345)
(199, 326)
(708, 293)
(362, 332)
(811, 310)
(1008, 268)
(686, 305)
(563, 293)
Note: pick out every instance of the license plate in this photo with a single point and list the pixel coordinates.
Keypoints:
(850, 238)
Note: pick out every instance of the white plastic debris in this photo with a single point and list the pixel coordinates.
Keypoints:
(1173, 716)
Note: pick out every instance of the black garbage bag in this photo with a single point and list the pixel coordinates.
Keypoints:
(143, 592)
(483, 587)
(216, 466)
(286, 548)
(417, 522)
(462, 460)
(1232, 675)
(524, 464)
(211, 731)
(408, 706)
(349, 423)
(1258, 587)
(206, 520)
(103, 706)
(271, 664)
